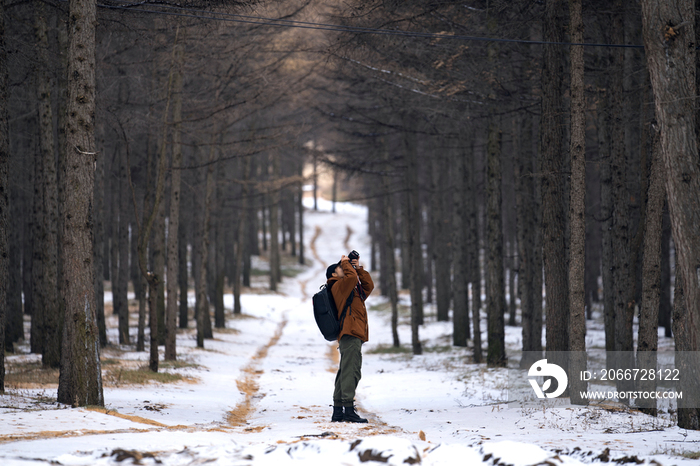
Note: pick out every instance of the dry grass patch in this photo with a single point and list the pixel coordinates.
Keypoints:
(119, 376)
(30, 375)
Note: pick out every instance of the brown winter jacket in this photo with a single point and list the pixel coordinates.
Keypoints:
(355, 322)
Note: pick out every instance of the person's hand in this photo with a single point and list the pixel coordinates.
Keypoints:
(355, 262)
(344, 257)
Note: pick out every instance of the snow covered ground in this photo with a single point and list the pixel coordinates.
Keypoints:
(260, 393)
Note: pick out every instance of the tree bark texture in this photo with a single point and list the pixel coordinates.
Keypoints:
(80, 381)
(602, 125)
(390, 271)
(442, 240)
(4, 190)
(577, 211)
(460, 314)
(648, 336)
(669, 39)
(300, 208)
(37, 335)
(473, 246)
(553, 218)
(620, 200)
(274, 199)
(120, 288)
(495, 295)
(241, 236)
(99, 238)
(413, 224)
(688, 417)
(174, 216)
(202, 299)
(14, 320)
(157, 250)
(528, 286)
(50, 321)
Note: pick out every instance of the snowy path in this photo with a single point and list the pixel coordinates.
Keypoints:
(263, 389)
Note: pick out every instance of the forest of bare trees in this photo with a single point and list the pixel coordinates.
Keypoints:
(530, 164)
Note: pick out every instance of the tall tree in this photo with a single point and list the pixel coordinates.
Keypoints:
(80, 381)
(495, 295)
(577, 210)
(273, 198)
(553, 219)
(51, 354)
(620, 203)
(387, 221)
(460, 314)
(530, 268)
(669, 40)
(4, 189)
(415, 251)
(173, 267)
(442, 238)
(648, 339)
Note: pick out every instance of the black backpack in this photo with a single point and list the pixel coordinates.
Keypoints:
(326, 313)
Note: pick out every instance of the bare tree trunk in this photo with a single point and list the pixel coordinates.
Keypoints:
(577, 212)
(182, 270)
(121, 288)
(37, 335)
(443, 240)
(553, 217)
(511, 248)
(473, 249)
(620, 216)
(528, 286)
(688, 417)
(99, 235)
(648, 337)
(241, 236)
(300, 194)
(219, 258)
(4, 190)
(460, 314)
(140, 288)
(669, 39)
(388, 227)
(413, 223)
(50, 319)
(80, 381)
(203, 301)
(315, 177)
(405, 250)
(275, 272)
(495, 296)
(157, 250)
(665, 308)
(606, 209)
(334, 193)
(174, 215)
(14, 321)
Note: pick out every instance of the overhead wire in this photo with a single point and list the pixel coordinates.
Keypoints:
(281, 22)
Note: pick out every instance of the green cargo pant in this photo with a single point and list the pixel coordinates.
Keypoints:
(349, 372)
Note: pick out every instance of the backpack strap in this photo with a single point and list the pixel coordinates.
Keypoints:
(345, 308)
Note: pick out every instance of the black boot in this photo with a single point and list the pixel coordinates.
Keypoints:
(337, 414)
(352, 416)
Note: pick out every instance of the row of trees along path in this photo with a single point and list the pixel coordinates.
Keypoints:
(491, 141)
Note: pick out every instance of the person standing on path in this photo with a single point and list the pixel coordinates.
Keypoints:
(344, 278)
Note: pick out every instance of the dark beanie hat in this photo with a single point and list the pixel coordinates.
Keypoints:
(331, 268)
